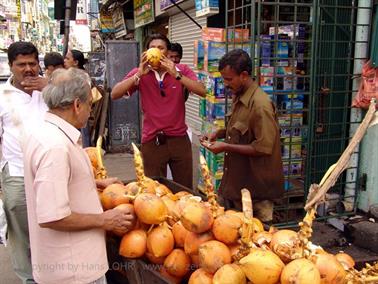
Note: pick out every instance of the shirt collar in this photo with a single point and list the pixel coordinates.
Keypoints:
(8, 87)
(161, 78)
(68, 129)
(246, 98)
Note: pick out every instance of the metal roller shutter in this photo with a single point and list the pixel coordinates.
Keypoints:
(184, 31)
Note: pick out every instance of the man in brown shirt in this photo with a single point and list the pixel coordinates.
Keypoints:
(252, 140)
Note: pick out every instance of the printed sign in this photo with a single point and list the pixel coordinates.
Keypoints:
(143, 12)
(81, 13)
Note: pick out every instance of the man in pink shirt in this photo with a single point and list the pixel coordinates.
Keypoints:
(164, 138)
(66, 220)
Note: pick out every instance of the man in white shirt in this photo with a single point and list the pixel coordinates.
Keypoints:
(21, 105)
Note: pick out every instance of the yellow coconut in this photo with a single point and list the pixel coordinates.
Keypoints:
(153, 56)
(283, 242)
(300, 271)
(150, 209)
(262, 266)
(229, 273)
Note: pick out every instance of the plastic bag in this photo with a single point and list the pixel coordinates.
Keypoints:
(368, 87)
(3, 225)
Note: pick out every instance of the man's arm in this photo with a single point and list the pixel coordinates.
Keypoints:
(123, 87)
(109, 220)
(192, 85)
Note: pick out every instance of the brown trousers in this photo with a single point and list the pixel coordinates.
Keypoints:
(176, 152)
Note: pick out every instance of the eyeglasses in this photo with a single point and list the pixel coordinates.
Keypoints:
(161, 86)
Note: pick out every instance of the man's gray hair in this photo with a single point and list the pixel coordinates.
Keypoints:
(65, 86)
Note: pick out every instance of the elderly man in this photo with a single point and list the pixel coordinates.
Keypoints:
(21, 106)
(66, 221)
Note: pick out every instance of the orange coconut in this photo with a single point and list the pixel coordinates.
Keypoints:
(226, 228)
(133, 244)
(179, 233)
(331, 270)
(177, 263)
(113, 195)
(213, 255)
(229, 273)
(171, 279)
(193, 241)
(201, 276)
(197, 217)
(346, 260)
(150, 209)
(300, 271)
(160, 241)
(153, 259)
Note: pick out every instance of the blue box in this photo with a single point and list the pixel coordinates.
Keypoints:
(213, 53)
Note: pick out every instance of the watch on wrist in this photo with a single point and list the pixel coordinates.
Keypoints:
(178, 75)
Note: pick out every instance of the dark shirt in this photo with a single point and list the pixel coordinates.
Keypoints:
(253, 121)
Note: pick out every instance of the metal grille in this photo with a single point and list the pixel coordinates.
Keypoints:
(303, 55)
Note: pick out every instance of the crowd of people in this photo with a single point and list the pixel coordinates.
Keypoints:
(56, 225)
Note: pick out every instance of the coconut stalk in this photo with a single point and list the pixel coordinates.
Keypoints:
(368, 274)
(101, 172)
(317, 192)
(139, 169)
(247, 227)
(209, 187)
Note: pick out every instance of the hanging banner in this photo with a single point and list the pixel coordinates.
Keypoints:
(119, 22)
(143, 12)
(106, 22)
(164, 4)
(81, 13)
(206, 7)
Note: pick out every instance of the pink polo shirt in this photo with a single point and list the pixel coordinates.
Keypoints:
(58, 181)
(162, 113)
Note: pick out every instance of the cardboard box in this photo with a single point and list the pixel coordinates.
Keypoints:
(293, 119)
(265, 50)
(215, 108)
(199, 54)
(219, 34)
(292, 168)
(267, 78)
(291, 147)
(213, 52)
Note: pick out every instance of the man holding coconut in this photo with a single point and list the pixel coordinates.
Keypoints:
(161, 83)
(252, 140)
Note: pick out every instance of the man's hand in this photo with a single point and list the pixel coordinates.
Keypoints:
(34, 83)
(168, 65)
(208, 138)
(118, 219)
(144, 68)
(103, 183)
(216, 147)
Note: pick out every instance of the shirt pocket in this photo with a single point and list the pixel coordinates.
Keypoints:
(238, 133)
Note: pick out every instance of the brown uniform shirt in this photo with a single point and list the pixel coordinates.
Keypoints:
(253, 121)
